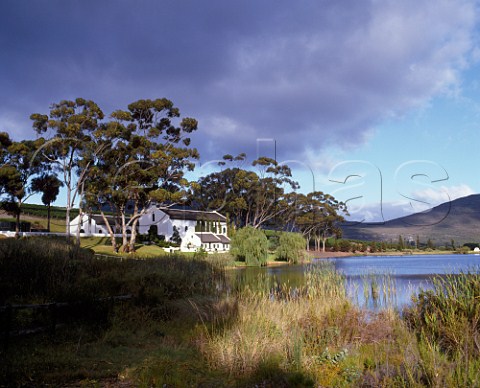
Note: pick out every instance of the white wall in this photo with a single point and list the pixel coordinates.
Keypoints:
(88, 227)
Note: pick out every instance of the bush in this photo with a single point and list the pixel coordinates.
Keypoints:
(345, 245)
(250, 245)
(449, 314)
(290, 247)
(471, 246)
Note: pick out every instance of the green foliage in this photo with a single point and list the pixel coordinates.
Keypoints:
(290, 247)
(49, 186)
(146, 151)
(448, 315)
(345, 245)
(471, 245)
(254, 198)
(250, 245)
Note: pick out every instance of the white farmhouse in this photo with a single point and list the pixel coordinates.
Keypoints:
(196, 229)
(93, 225)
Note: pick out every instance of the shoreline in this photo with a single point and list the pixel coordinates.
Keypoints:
(334, 255)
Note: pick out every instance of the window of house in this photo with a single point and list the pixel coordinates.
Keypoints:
(153, 217)
(186, 228)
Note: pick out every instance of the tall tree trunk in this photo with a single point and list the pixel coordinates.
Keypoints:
(80, 214)
(67, 215)
(80, 218)
(125, 245)
(48, 217)
(133, 234)
(111, 232)
(17, 224)
(324, 240)
(307, 237)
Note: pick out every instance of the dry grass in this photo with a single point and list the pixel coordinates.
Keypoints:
(310, 330)
(313, 336)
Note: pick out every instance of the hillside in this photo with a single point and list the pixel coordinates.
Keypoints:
(458, 220)
(37, 216)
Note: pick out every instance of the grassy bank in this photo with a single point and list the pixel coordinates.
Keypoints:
(186, 327)
(99, 341)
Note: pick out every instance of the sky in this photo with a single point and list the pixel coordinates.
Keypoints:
(376, 102)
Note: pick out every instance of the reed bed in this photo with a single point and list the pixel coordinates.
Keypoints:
(379, 290)
(306, 335)
(312, 335)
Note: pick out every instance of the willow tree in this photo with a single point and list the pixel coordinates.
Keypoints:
(250, 245)
(147, 151)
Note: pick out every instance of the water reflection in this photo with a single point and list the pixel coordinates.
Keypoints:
(374, 282)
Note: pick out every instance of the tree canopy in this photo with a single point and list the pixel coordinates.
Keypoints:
(123, 162)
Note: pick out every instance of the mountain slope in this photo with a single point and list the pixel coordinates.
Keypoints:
(458, 220)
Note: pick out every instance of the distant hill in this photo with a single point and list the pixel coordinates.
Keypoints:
(458, 220)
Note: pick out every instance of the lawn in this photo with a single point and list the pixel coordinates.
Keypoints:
(102, 245)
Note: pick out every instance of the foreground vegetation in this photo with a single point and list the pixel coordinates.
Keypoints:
(187, 326)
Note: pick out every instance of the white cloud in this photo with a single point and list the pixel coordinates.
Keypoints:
(422, 200)
(436, 196)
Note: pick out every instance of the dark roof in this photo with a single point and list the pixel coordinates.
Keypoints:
(223, 239)
(197, 215)
(99, 220)
(208, 238)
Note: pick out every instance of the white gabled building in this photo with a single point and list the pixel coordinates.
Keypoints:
(196, 229)
(93, 225)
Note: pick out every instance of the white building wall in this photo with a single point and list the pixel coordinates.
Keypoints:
(184, 227)
(165, 225)
(87, 224)
(155, 216)
(190, 242)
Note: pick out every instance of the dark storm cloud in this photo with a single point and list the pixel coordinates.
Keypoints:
(307, 73)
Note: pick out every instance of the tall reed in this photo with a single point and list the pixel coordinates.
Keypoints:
(305, 329)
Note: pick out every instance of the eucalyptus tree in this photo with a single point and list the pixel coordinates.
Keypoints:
(319, 216)
(147, 151)
(68, 148)
(268, 199)
(251, 197)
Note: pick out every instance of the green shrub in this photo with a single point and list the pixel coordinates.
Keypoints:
(250, 245)
(290, 247)
(345, 245)
(449, 314)
(471, 246)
